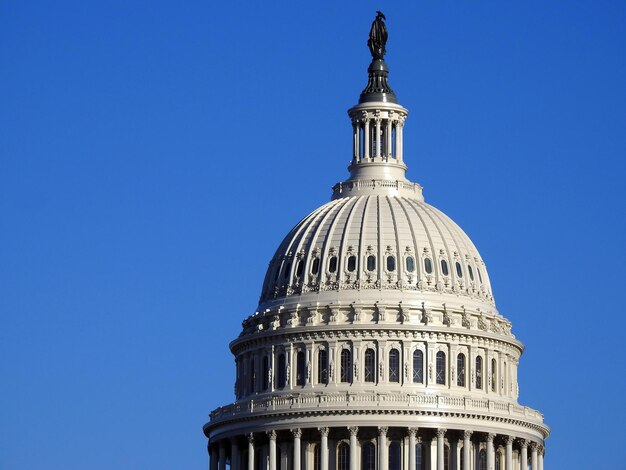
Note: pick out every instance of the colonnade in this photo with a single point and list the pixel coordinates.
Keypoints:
(377, 137)
(339, 448)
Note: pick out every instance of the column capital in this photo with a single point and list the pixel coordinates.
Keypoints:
(411, 431)
(523, 443)
(250, 438)
(509, 440)
(467, 434)
(542, 449)
(271, 435)
(323, 431)
(382, 430)
(490, 437)
(441, 432)
(353, 430)
(297, 433)
(533, 446)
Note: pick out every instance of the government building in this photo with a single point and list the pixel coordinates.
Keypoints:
(376, 344)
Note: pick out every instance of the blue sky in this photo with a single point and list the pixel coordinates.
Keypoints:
(153, 155)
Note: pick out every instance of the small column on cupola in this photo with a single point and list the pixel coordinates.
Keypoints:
(378, 119)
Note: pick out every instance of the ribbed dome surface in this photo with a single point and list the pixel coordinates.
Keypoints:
(377, 242)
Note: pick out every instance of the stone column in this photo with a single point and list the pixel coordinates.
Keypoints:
(540, 457)
(355, 141)
(490, 453)
(400, 148)
(234, 455)
(353, 446)
(467, 464)
(412, 458)
(222, 463)
(297, 455)
(214, 458)
(523, 456)
(272, 436)
(366, 140)
(251, 451)
(378, 139)
(509, 453)
(533, 456)
(383, 461)
(388, 152)
(441, 433)
(323, 449)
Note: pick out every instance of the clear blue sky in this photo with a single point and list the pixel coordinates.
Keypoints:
(153, 154)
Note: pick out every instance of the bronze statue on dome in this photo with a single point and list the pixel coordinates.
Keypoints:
(378, 37)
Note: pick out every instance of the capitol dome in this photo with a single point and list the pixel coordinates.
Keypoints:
(376, 344)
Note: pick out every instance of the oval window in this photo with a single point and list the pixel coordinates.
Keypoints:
(471, 273)
(300, 267)
(444, 267)
(316, 266)
(332, 264)
(371, 262)
(287, 269)
(428, 265)
(459, 271)
(351, 263)
(410, 264)
(391, 263)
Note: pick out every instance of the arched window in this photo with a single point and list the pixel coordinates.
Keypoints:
(368, 456)
(343, 456)
(419, 458)
(444, 267)
(391, 263)
(394, 456)
(482, 460)
(281, 375)
(418, 366)
(394, 365)
(252, 376)
(351, 263)
(471, 273)
(459, 271)
(494, 375)
(266, 373)
(322, 366)
(480, 278)
(371, 263)
(479, 372)
(410, 264)
(440, 360)
(300, 368)
(428, 265)
(346, 366)
(370, 365)
(316, 457)
(332, 264)
(460, 370)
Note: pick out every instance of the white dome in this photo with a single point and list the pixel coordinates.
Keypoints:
(411, 246)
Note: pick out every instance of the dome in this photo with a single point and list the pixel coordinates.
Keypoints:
(376, 331)
(397, 245)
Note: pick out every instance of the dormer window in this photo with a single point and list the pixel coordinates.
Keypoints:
(332, 264)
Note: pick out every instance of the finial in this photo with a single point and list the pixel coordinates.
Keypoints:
(378, 36)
